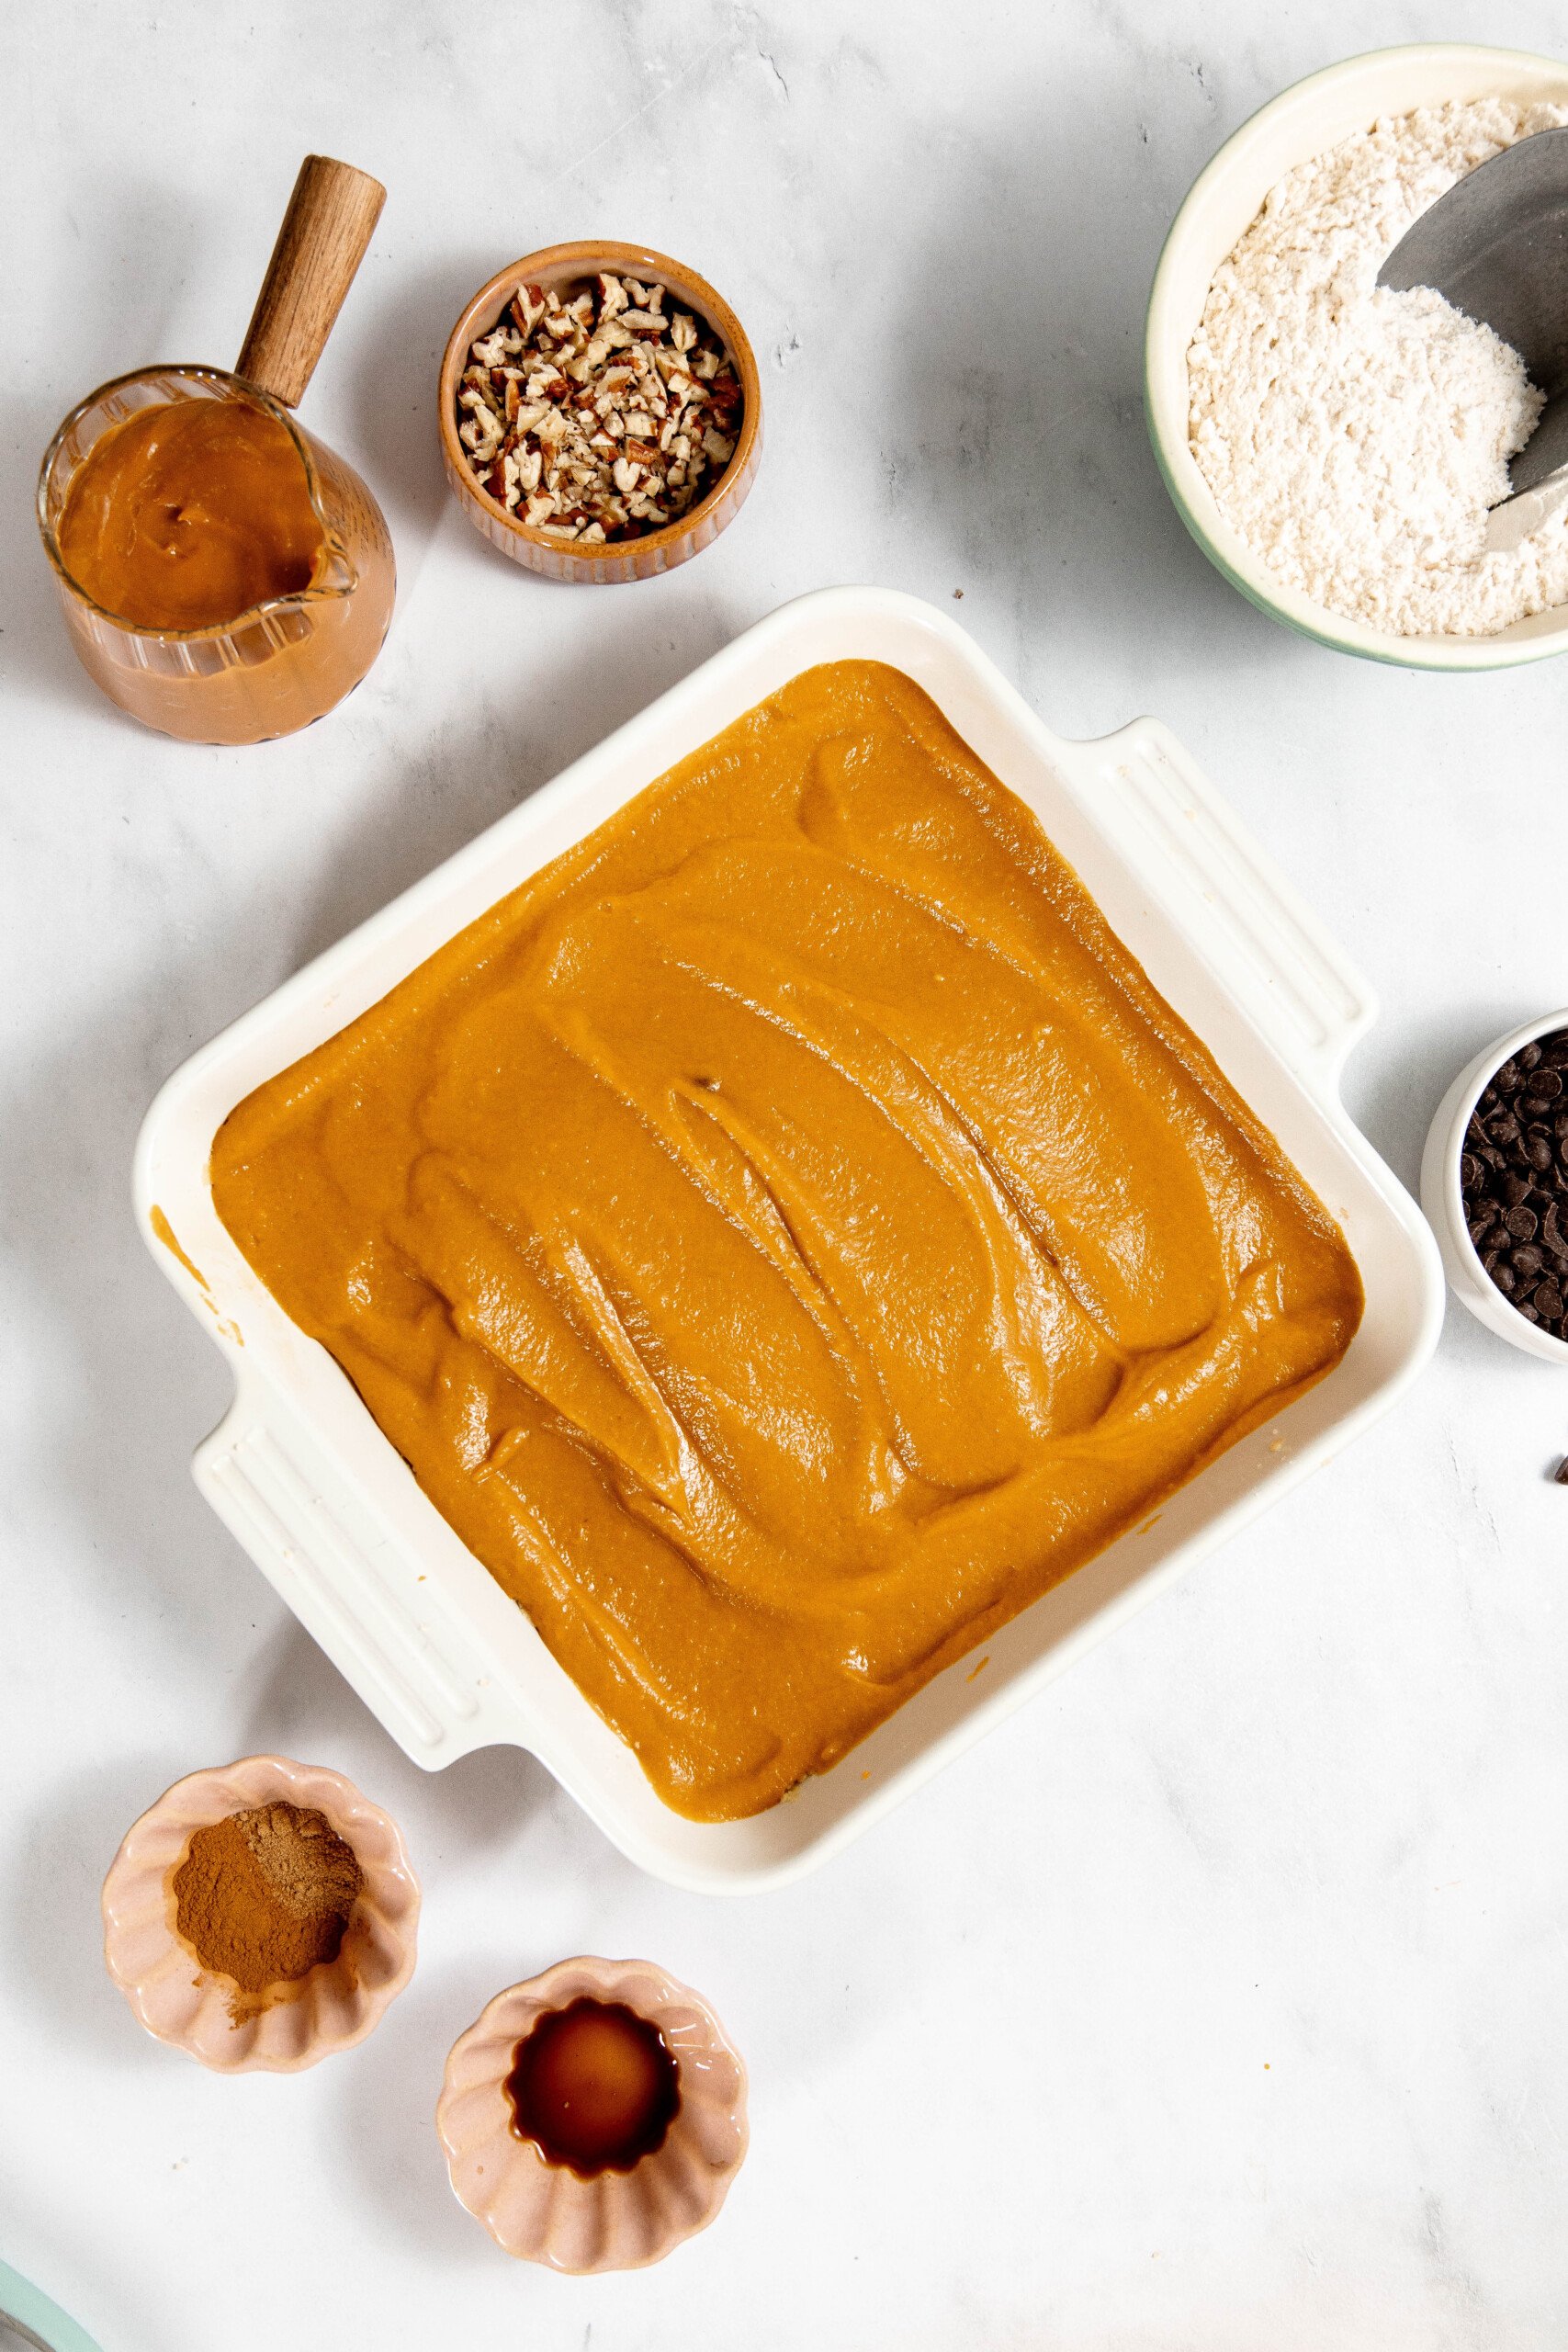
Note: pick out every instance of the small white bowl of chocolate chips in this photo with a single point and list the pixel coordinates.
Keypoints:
(1494, 1186)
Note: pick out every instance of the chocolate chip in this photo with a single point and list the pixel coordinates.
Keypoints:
(1514, 1181)
(1560, 1476)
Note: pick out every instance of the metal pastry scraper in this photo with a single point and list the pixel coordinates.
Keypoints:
(1496, 247)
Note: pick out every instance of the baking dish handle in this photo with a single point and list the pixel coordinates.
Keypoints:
(330, 1554)
(1205, 869)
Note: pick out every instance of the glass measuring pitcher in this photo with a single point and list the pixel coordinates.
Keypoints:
(289, 657)
(277, 666)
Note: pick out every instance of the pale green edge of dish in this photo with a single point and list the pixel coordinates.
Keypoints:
(26, 2308)
(1510, 661)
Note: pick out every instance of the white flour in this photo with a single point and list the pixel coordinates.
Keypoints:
(1356, 438)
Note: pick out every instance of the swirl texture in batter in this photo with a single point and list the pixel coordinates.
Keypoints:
(787, 1235)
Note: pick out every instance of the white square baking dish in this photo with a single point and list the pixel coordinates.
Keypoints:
(305, 1480)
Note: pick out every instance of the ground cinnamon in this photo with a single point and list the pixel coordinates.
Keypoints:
(264, 1895)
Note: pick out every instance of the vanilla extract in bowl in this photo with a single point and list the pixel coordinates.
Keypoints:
(1514, 1181)
(595, 2087)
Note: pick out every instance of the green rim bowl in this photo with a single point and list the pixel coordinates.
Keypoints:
(1302, 122)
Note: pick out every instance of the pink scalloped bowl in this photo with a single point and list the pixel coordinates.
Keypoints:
(619, 2221)
(182, 2002)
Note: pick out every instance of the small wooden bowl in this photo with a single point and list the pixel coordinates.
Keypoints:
(181, 2002)
(655, 551)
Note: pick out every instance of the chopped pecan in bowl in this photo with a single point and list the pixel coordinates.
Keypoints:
(598, 412)
(563, 331)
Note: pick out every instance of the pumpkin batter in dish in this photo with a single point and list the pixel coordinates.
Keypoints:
(787, 1235)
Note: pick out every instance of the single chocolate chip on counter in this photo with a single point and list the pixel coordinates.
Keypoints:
(1560, 1476)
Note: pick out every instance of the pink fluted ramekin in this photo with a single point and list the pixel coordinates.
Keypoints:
(617, 2220)
(184, 2003)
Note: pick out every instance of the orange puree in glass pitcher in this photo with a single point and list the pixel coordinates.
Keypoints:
(189, 513)
(787, 1235)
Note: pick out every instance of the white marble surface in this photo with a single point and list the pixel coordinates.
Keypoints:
(1216, 2002)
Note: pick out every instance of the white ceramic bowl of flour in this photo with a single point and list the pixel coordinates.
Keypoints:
(1304, 122)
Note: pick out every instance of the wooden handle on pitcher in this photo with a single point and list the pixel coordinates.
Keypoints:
(325, 230)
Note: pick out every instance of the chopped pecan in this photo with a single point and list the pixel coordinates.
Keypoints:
(598, 415)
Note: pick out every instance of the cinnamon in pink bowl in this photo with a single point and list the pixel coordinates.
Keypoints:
(263, 1913)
